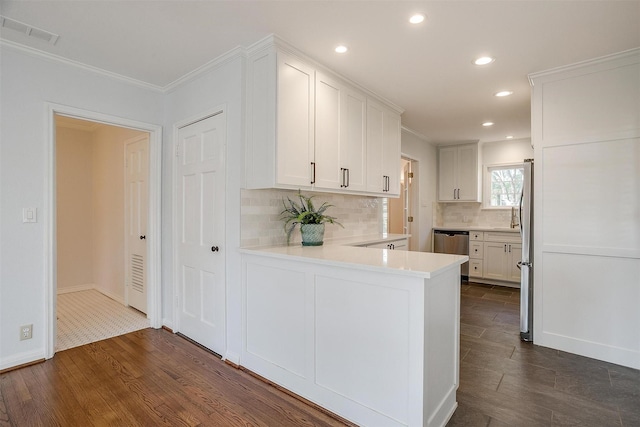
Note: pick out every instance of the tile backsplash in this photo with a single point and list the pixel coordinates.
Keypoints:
(469, 214)
(261, 224)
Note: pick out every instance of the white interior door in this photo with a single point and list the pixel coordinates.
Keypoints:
(200, 220)
(136, 211)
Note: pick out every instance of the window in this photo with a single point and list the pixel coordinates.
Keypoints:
(503, 185)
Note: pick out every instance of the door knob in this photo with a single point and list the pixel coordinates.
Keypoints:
(214, 249)
(143, 237)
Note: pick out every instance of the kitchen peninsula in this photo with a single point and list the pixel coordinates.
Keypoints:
(369, 334)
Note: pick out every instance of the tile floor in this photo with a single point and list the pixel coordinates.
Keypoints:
(89, 316)
(506, 382)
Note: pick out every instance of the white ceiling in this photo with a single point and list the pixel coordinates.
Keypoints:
(426, 69)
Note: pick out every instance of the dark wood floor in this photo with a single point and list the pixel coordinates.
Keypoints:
(506, 382)
(153, 377)
(145, 378)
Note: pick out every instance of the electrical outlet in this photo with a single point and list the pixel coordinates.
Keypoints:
(26, 332)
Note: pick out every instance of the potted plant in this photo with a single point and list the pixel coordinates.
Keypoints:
(311, 220)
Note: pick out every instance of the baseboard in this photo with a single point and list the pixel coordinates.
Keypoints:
(494, 282)
(108, 294)
(89, 287)
(232, 358)
(77, 288)
(168, 325)
(21, 360)
(595, 350)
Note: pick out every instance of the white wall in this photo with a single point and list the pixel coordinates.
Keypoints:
(108, 209)
(30, 81)
(220, 87)
(74, 179)
(418, 149)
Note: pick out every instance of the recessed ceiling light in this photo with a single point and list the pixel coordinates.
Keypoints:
(503, 93)
(484, 60)
(509, 137)
(341, 49)
(487, 124)
(417, 18)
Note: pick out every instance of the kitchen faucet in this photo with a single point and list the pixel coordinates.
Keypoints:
(514, 218)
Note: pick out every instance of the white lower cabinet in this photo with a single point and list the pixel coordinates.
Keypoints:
(377, 346)
(493, 256)
(500, 261)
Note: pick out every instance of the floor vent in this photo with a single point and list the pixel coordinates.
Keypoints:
(12, 24)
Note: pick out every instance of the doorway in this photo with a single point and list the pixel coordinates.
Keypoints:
(401, 210)
(75, 262)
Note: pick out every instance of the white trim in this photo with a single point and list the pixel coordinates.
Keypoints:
(21, 359)
(237, 52)
(91, 287)
(418, 135)
(154, 310)
(53, 57)
(110, 295)
(77, 288)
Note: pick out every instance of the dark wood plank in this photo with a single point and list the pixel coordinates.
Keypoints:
(148, 377)
(506, 382)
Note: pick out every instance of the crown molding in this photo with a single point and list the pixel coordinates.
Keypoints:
(52, 57)
(416, 134)
(225, 58)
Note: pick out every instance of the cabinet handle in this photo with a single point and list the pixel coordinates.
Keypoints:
(348, 177)
(313, 172)
(345, 177)
(509, 248)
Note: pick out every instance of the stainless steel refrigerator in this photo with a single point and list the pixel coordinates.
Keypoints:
(526, 264)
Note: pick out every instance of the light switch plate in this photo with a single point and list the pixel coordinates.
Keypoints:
(29, 215)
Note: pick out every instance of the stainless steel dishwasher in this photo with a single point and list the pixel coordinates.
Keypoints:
(453, 242)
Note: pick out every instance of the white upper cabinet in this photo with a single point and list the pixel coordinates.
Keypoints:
(295, 126)
(310, 129)
(340, 135)
(383, 150)
(458, 173)
(353, 140)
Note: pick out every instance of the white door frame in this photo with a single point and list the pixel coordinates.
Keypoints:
(175, 234)
(414, 203)
(154, 224)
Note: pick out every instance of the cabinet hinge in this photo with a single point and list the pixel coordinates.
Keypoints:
(409, 219)
(178, 150)
(410, 174)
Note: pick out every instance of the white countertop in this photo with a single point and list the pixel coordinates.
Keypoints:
(478, 228)
(420, 264)
(369, 239)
